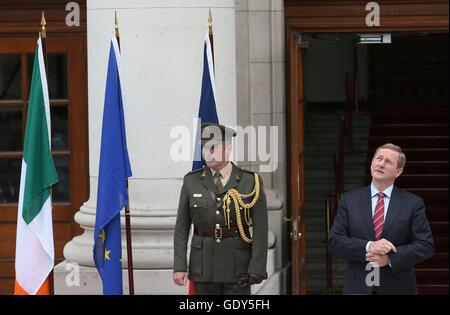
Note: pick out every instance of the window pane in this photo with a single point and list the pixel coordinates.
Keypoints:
(11, 138)
(56, 74)
(61, 189)
(9, 180)
(60, 139)
(10, 77)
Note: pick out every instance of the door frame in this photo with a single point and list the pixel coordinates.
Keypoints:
(295, 165)
(324, 16)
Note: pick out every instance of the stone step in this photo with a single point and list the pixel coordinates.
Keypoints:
(316, 238)
(318, 210)
(318, 173)
(332, 140)
(318, 227)
(354, 172)
(314, 204)
(327, 177)
(321, 264)
(315, 253)
(323, 187)
(321, 134)
(353, 182)
(317, 216)
(315, 195)
(320, 277)
(311, 150)
(324, 127)
(350, 187)
(326, 187)
(326, 156)
(354, 163)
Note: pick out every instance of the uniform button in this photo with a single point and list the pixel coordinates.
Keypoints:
(195, 206)
(217, 212)
(218, 199)
(218, 240)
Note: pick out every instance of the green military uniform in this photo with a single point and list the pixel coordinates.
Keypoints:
(219, 253)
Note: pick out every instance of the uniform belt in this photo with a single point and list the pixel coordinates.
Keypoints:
(216, 232)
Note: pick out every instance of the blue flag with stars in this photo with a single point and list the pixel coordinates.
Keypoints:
(114, 169)
(207, 110)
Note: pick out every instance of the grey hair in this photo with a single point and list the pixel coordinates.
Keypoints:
(401, 156)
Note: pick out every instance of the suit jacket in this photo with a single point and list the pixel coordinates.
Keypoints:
(209, 260)
(406, 226)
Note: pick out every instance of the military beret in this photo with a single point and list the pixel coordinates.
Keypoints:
(212, 133)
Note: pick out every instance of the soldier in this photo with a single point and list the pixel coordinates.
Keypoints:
(227, 206)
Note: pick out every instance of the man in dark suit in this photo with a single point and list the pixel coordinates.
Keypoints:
(227, 206)
(382, 230)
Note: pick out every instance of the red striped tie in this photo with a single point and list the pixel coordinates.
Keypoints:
(378, 216)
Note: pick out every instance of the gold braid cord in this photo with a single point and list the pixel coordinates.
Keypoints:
(234, 195)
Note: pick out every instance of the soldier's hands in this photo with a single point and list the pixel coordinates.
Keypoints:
(243, 281)
(250, 278)
(180, 277)
(382, 247)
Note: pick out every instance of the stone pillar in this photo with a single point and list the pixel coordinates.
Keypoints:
(162, 59)
(261, 99)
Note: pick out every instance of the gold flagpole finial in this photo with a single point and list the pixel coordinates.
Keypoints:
(116, 21)
(210, 22)
(43, 23)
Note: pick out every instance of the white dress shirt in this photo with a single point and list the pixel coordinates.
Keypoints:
(225, 172)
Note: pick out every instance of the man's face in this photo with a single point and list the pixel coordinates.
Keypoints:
(216, 156)
(384, 167)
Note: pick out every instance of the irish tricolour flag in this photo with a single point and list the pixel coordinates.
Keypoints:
(34, 239)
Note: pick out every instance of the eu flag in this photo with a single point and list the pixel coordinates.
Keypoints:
(114, 169)
(207, 111)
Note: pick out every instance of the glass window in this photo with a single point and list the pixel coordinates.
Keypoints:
(56, 76)
(61, 189)
(10, 77)
(9, 180)
(60, 140)
(11, 138)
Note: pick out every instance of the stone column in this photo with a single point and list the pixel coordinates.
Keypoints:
(162, 60)
(261, 102)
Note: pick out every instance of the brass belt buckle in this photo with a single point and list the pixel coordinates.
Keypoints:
(218, 233)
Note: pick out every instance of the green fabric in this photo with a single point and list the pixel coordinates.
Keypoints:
(40, 171)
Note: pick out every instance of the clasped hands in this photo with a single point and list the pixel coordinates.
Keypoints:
(378, 250)
(250, 278)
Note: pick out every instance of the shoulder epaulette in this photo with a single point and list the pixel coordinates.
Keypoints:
(195, 171)
(247, 171)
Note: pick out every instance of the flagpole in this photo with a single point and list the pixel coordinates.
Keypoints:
(43, 35)
(191, 289)
(210, 35)
(127, 206)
